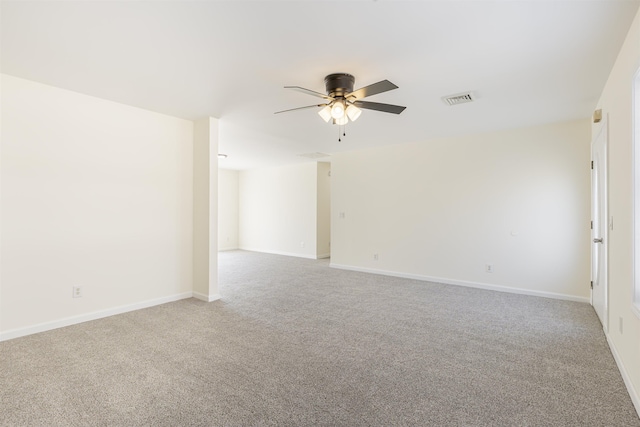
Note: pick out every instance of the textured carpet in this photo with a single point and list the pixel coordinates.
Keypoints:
(295, 343)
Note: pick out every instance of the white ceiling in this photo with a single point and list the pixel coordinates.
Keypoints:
(528, 63)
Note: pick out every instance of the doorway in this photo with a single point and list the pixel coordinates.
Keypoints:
(323, 218)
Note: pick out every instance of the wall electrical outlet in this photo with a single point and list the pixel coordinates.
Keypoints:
(375, 257)
(77, 292)
(302, 244)
(489, 268)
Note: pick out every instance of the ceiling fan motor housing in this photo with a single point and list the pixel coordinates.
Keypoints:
(339, 84)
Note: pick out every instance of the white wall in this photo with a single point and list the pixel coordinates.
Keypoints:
(95, 194)
(205, 209)
(444, 209)
(616, 102)
(324, 210)
(228, 209)
(278, 210)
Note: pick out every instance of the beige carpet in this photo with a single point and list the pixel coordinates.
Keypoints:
(295, 343)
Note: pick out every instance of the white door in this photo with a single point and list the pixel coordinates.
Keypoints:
(599, 232)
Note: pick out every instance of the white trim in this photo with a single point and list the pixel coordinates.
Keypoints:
(206, 298)
(635, 165)
(468, 284)
(323, 256)
(73, 320)
(625, 376)
(603, 130)
(279, 253)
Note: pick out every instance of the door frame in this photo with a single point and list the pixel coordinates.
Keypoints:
(603, 131)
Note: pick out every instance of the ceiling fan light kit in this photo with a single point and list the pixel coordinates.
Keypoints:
(337, 109)
(325, 113)
(343, 103)
(341, 121)
(353, 112)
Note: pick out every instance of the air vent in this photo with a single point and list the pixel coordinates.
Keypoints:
(314, 155)
(458, 98)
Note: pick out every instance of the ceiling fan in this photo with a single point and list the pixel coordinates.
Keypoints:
(342, 103)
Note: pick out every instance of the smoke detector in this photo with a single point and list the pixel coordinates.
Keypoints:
(459, 98)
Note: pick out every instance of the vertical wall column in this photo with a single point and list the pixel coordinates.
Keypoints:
(205, 209)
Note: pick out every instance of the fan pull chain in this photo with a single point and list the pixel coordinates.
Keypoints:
(342, 129)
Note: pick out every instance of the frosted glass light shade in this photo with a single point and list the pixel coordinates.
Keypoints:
(325, 113)
(353, 112)
(337, 111)
(342, 120)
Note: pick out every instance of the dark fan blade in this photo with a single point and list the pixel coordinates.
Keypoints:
(373, 89)
(387, 108)
(308, 92)
(302, 108)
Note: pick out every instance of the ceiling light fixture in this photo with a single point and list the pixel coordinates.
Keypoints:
(341, 121)
(343, 104)
(337, 110)
(353, 112)
(325, 113)
(340, 115)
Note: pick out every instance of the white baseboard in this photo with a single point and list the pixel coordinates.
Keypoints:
(625, 376)
(206, 298)
(278, 253)
(323, 256)
(73, 320)
(468, 284)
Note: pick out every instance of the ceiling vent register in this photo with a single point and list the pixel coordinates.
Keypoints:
(459, 98)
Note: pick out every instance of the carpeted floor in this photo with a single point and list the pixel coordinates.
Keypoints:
(295, 343)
